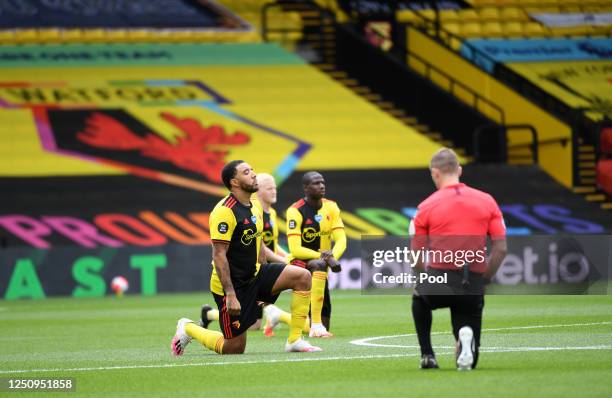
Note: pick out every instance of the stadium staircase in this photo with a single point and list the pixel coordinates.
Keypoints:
(510, 19)
(491, 19)
(318, 26)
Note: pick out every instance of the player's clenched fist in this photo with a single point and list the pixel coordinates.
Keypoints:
(233, 305)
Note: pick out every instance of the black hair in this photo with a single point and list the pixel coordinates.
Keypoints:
(308, 176)
(229, 171)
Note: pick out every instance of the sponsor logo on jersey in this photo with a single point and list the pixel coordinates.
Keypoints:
(248, 235)
(222, 227)
(310, 234)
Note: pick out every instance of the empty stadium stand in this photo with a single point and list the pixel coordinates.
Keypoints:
(121, 21)
(483, 53)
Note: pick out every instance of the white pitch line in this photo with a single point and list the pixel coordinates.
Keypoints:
(367, 341)
(512, 349)
(334, 358)
(178, 365)
(526, 349)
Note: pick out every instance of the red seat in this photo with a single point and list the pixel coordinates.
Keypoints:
(604, 175)
(605, 141)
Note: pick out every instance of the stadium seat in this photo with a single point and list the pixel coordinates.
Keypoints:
(116, 35)
(569, 8)
(455, 43)
(72, 35)
(138, 35)
(604, 175)
(533, 29)
(527, 3)
(512, 29)
(605, 141)
(406, 16)
(492, 29)
(572, 31)
(541, 9)
(468, 14)
(488, 14)
(49, 35)
(512, 14)
(471, 30)
(7, 36)
(452, 27)
(449, 15)
(25, 35)
(428, 14)
(94, 35)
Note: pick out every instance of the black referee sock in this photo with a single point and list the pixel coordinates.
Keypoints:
(422, 322)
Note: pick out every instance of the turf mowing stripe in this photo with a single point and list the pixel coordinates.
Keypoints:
(311, 359)
(338, 358)
(366, 342)
(172, 365)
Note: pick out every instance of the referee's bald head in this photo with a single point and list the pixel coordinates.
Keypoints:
(445, 160)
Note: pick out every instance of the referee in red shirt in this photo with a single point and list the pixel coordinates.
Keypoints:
(456, 218)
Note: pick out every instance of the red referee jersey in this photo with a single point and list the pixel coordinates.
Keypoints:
(464, 216)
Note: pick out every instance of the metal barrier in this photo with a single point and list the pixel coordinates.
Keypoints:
(455, 83)
(502, 141)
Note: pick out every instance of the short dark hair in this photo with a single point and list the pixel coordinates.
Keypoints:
(229, 172)
(308, 176)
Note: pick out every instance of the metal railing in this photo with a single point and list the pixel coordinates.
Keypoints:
(501, 141)
(453, 83)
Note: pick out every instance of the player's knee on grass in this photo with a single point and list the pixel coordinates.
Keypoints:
(317, 265)
(234, 346)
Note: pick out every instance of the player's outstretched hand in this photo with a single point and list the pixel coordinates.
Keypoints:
(233, 305)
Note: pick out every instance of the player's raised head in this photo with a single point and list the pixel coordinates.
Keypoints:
(267, 188)
(314, 184)
(229, 172)
(238, 174)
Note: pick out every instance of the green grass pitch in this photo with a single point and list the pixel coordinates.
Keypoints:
(557, 346)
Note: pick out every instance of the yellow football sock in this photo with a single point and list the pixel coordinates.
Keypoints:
(285, 318)
(316, 296)
(299, 311)
(212, 315)
(211, 339)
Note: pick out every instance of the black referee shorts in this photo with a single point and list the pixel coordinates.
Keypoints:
(466, 303)
(259, 290)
